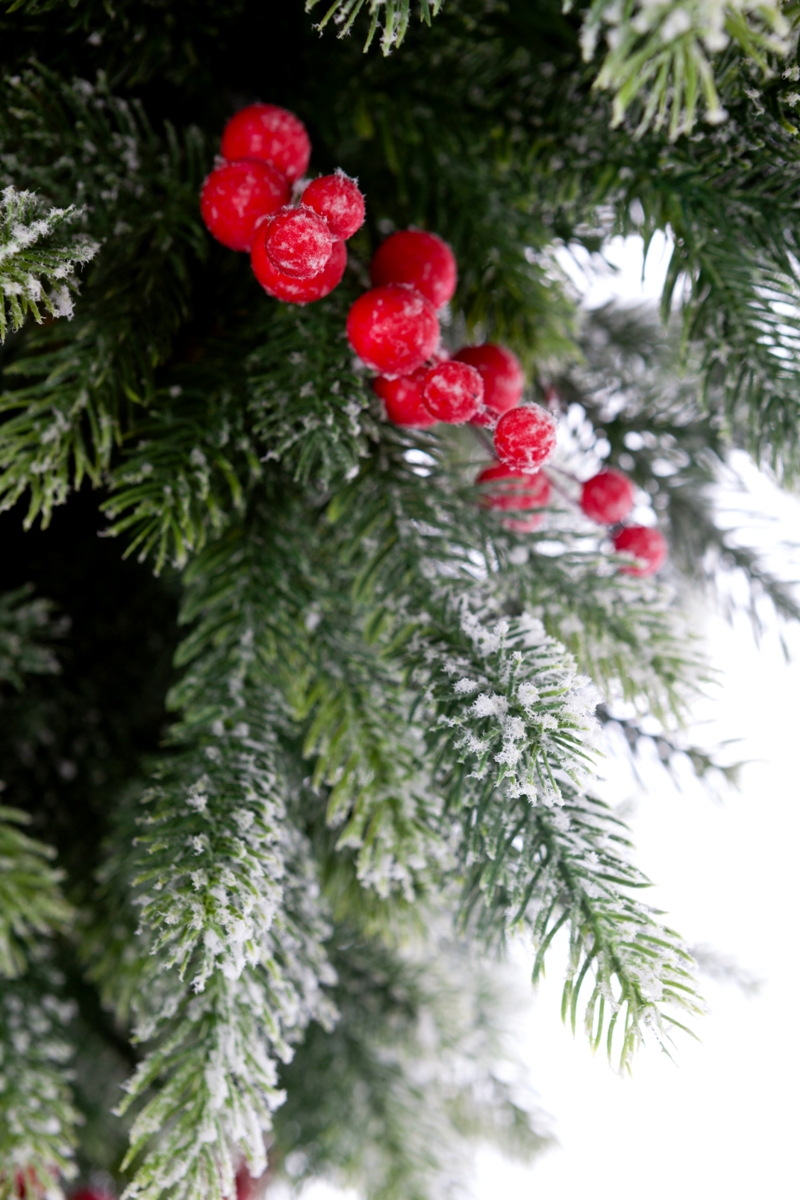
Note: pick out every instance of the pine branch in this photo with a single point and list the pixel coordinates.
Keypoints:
(669, 749)
(390, 16)
(228, 897)
(28, 267)
(659, 56)
(37, 1116)
(660, 59)
(188, 476)
(27, 627)
(517, 689)
(30, 900)
(199, 453)
(308, 406)
(416, 1071)
(31, 904)
(541, 850)
(649, 409)
(139, 195)
(330, 679)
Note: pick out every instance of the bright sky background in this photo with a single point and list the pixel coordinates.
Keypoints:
(722, 1123)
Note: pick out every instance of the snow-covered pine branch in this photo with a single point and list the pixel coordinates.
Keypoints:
(428, 1038)
(660, 54)
(536, 851)
(30, 899)
(31, 904)
(391, 18)
(230, 908)
(38, 259)
(37, 1116)
(139, 194)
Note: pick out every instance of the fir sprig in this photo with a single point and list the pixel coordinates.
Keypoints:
(661, 55)
(35, 256)
(228, 897)
(138, 193)
(37, 1113)
(539, 850)
(28, 628)
(413, 1037)
(390, 16)
(31, 903)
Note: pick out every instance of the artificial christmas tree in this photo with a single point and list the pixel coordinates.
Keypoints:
(310, 733)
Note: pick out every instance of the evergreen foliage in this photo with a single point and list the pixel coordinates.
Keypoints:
(37, 1117)
(294, 844)
(25, 263)
(388, 1100)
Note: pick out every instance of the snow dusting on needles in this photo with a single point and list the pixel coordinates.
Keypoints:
(34, 254)
(532, 713)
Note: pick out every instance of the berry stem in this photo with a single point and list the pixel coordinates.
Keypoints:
(566, 474)
(562, 491)
(484, 439)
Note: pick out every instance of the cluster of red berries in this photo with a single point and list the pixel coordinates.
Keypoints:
(607, 498)
(394, 328)
(298, 255)
(297, 250)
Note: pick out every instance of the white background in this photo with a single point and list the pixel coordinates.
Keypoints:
(722, 1121)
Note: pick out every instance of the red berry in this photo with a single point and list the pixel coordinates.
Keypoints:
(419, 258)
(288, 287)
(452, 392)
(503, 379)
(270, 133)
(523, 524)
(402, 400)
(393, 329)
(647, 544)
(525, 437)
(235, 197)
(513, 489)
(607, 497)
(299, 242)
(337, 199)
(245, 1184)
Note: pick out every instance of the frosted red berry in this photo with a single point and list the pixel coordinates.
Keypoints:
(298, 242)
(607, 497)
(33, 1183)
(393, 329)
(503, 379)
(419, 258)
(272, 134)
(647, 544)
(245, 1184)
(525, 438)
(453, 392)
(402, 400)
(288, 287)
(507, 489)
(236, 196)
(338, 199)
